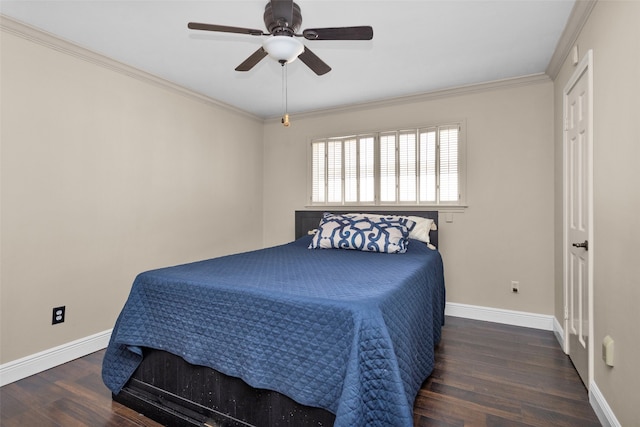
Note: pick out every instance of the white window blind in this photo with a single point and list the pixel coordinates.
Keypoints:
(407, 168)
(350, 170)
(417, 166)
(367, 169)
(318, 166)
(388, 167)
(428, 165)
(334, 172)
(448, 163)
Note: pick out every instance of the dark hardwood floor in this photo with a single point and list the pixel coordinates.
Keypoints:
(486, 374)
(489, 374)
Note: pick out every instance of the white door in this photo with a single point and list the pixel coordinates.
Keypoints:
(578, 221)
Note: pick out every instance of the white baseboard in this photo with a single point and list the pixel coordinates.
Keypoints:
(498, 315)
(601, 407)
(558, 331)
(30, 365)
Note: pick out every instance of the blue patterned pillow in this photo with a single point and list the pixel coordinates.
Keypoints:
(375, 233)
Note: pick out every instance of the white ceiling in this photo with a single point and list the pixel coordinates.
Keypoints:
(418, 46)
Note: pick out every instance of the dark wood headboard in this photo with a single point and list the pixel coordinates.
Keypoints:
(308, 220)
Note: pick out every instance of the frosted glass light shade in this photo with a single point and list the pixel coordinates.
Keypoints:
(283, 48)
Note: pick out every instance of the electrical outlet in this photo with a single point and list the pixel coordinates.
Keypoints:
(515, 286)
(58, 315)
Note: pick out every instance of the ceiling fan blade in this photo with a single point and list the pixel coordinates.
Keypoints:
(339, 33)
(282, 9)
(252, 60)
(312, 61)
(225, 29)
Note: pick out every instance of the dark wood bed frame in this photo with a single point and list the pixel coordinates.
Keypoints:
(175, 393)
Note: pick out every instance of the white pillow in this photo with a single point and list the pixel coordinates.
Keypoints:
(422, 228)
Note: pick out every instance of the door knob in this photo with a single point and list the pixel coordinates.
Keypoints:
(584, 245)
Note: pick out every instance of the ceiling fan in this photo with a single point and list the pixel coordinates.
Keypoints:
(283, 19)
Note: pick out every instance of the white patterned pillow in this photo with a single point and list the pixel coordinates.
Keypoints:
(374, 233)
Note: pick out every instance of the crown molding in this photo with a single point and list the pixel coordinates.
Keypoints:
(578, 17)
(579, 14)
(427, 96)
(51, 41)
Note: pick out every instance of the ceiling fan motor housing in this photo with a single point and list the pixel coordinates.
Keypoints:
(280, 24)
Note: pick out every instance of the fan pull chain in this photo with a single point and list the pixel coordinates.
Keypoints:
(285, 115)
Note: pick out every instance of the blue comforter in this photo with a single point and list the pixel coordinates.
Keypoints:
(348, 331)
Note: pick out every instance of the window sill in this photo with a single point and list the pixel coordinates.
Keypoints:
(439, 208)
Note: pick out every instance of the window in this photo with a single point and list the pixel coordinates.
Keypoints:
(416, 166)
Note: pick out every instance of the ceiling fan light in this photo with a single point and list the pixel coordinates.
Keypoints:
(283, 48)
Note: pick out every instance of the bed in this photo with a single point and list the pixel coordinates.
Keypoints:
(283, 336)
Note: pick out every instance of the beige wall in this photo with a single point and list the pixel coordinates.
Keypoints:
(103, 176)
(612, 31)
(505, 234)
